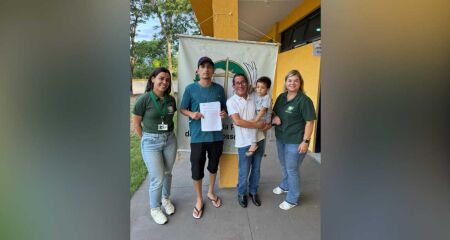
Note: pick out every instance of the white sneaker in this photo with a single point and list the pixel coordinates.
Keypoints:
(286, 206)
(158, 216)
(168, 206)
(279, 191)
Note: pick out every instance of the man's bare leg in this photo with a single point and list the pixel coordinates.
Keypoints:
(198, 191)
(211, 194)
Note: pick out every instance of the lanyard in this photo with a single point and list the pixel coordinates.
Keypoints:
(163, 112)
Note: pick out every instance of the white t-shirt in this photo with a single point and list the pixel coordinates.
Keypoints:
(247, 111)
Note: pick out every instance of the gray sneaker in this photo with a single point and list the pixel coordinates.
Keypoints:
(286, 206)
(168, 206)
(279, 190)
(158, 216)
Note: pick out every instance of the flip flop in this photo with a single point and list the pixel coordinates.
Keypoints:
(199, 212)
(214, 202)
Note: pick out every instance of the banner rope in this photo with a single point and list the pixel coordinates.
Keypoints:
(242, 21)
(254, 28)
(205, 20)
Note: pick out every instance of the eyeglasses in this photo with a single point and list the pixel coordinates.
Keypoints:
(243, 83)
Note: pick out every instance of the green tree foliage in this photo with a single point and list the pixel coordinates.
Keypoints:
(175, 17)
(148, 55)
(138, 14)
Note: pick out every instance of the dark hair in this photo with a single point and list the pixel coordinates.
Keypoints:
(240, 75)
(154, 74)
(265, 80)
(295, 72)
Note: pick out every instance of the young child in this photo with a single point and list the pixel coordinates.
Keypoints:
(263, 103)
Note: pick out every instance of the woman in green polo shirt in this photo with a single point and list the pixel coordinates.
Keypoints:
(153, 121)
(294, 119)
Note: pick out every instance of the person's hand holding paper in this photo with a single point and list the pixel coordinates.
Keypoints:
(211, 120)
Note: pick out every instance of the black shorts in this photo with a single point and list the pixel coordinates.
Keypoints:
(198, 158)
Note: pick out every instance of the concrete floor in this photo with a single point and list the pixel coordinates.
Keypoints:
(231, 221)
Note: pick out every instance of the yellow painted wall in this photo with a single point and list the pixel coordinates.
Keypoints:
(225, 19)
(303, 60)
(203, 12)
(228, 171)
(300, 58)
(225, 25)
(217, 18)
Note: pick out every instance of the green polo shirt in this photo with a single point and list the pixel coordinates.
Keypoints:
(293, 115)
(151, 117)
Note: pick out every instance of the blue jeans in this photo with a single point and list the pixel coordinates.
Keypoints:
(159, 151)
(250, 165)
(290, 161)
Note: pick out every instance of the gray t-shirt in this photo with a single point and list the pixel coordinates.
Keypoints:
(263, 101)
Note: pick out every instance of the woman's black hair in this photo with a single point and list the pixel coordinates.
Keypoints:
(154, 74)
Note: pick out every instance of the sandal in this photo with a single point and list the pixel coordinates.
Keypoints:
(199, 212)
(215, 202)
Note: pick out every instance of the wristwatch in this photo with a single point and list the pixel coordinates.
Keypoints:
(306, 141)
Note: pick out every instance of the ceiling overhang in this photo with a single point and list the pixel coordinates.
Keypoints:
(256, 17)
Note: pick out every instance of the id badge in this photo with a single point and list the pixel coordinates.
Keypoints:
(163, 127)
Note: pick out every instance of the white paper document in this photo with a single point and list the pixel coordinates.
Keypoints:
(211, 120)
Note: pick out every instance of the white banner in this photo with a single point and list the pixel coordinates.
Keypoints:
(254, 59)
